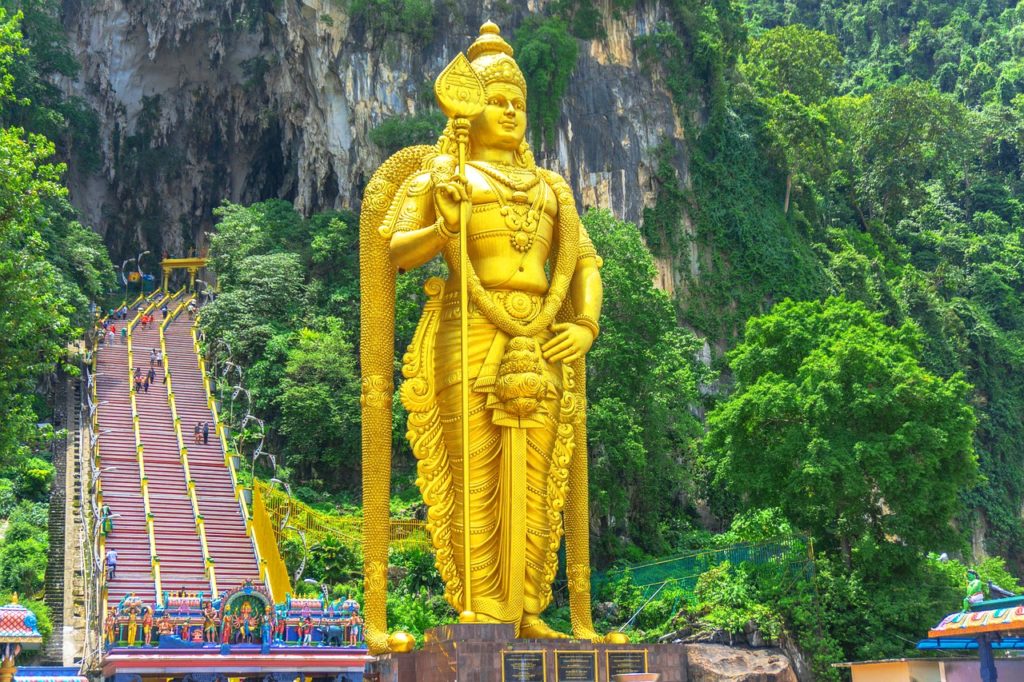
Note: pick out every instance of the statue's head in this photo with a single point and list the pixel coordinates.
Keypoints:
(502, 124)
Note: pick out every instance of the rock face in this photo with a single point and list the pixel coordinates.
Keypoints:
(719, 663)
(201, 101)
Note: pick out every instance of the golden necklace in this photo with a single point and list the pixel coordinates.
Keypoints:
(521, 218)
(519, 179)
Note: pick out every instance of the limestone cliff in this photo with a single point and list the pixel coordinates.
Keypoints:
(205, 100)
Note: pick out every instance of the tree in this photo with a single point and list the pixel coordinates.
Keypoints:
(793, 59)
(903, 137)
(791, 69)
(547, 55)
(319, 403)
(642, 378)
(834, 420)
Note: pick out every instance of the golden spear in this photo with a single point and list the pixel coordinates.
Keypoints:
(460, 94)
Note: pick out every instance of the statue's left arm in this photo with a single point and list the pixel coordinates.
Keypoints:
(572, 340)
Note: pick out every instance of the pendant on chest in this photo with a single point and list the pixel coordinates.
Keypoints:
(522, 218)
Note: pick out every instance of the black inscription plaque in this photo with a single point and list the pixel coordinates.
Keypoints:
(575, 666)
(621, 662)
(523, 666)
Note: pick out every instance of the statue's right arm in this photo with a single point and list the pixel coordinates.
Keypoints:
(415, 235)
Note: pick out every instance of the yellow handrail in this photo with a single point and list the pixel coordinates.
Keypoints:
(143, 481)
(94, 423)
(318, 526)
(190, 485)
(229, 462)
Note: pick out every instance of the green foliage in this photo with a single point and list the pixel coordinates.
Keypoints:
(414, 18)
(834, 420)
(8, 497)
(396, 132)
(34, 479)
(642, 376)
(792, 59)
(40, 105)
(546, 53)
(725, 600)
(48, 268)
(333, 562)
(24, 552)
(319, 403)
(661, 222)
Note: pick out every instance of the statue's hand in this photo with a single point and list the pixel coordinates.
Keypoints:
(570, 342)
(449, 198)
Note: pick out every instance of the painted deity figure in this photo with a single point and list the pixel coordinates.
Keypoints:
(975, 592)
(133, 624)
(281, 623)
(111, 627)
(147, 627)
(164, 626)
(355, 626)
(226, 627)
(266, 626)
(209, 623)
(534, 299)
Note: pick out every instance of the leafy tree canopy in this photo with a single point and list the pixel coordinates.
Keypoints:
(834, 420)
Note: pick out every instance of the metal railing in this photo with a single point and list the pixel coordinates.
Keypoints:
(190, 485)
(139, 455)
(229, 460)
(290, 515)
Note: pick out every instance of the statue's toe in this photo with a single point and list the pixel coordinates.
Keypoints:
(535, 628)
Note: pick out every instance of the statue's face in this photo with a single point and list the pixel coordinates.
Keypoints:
(502, 124)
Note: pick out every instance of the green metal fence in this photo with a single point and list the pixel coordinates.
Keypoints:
(794, 553)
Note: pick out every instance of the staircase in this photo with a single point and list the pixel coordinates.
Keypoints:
(177, 543)
(226, 537)
(120, 476)
(190, 491)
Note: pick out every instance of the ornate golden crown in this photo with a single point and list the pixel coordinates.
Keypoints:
(491, 58)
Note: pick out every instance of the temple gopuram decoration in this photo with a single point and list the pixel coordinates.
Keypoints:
(18, 631)
(241, 629)
(982, 626)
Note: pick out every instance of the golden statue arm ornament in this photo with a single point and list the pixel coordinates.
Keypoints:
(419, 233)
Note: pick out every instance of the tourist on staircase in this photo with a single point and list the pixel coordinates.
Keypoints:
(111, 564)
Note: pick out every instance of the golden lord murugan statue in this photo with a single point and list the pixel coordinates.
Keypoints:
(496, 363)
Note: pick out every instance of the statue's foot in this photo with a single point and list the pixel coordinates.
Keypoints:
(532, 627)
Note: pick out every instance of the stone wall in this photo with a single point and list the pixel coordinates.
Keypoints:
(200, 101)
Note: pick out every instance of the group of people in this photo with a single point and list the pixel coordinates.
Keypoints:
(201, 433)
(110, 332)
(118, 313)
(142, 381)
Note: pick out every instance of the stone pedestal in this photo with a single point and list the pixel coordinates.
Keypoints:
(490, 653)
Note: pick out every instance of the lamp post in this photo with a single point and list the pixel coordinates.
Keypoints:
(323, 590)
(124, 278)
(138, 267)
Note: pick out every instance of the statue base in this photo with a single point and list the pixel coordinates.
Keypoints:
(478, 652)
